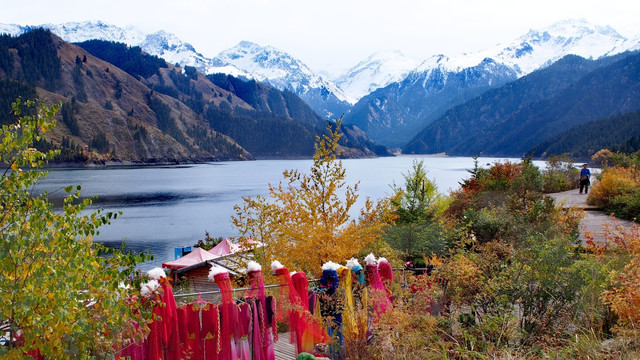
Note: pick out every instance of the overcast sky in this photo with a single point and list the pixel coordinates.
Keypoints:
(332, 35)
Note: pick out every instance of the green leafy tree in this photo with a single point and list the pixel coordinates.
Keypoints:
(417, 231)
(208, 242)
(560, 174)
(59, 290)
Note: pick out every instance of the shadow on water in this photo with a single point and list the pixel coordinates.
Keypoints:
(133, 246)
(130, 200)
(141, 247)
(120, 167)
(142, 199)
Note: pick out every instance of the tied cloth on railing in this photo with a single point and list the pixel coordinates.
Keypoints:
(262, 334)
(289, 304)
(331, 306)
(306, 331)
(361, 297)
(386, 275)
(348, 314)
(163, 335)
(230, 317)
(379, 297)
(209, 330)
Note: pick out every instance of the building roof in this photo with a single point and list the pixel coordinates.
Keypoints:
(197, 256)
(225, 247)
(230, 256)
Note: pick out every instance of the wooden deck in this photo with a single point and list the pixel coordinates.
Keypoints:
(595, 224)
(283, 349)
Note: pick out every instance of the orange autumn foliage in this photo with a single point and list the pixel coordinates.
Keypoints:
(624, 296)
(614, 181)
(506, 171)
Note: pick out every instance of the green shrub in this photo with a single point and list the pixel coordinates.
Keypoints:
(626, 205)
(560, 174)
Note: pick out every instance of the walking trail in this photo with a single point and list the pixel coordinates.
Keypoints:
(595, 221)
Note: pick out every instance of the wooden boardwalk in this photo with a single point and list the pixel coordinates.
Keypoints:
(594, 223)
(283, 349)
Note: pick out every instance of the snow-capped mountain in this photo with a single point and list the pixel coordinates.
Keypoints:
(383, 79)
(167, 46)
(378, 70)
(391, 115)
(12, 29)
(161, 43)
(540, 48)
(629, 45)
(282, 71)
(394, 114)
(265, 64)
(90, 30)
(534, 50)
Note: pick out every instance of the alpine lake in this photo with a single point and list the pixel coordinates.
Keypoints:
(165, 207)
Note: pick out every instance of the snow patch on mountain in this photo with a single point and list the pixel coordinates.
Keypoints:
(534, 50)
(90, 30)
(228, 70)
(377, 71)
(278, 69)
(167, 46)
(12, 29)
(629, 45)
(539, 48)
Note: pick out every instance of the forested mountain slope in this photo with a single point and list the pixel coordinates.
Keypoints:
(512, 119)
(620, 132)
(120, 104)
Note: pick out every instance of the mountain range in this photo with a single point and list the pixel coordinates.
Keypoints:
(247, 60)
(389, 96)
(511, 119)
(122, 104)
(332, 97)
(392, 115)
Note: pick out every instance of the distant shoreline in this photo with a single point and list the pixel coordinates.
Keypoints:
(133, 164)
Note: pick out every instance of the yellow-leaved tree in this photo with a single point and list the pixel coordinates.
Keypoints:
(305, 221)
(60, 294)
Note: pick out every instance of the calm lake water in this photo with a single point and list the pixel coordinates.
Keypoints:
(172, 206)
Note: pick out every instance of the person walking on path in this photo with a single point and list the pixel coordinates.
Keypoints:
(585, 176)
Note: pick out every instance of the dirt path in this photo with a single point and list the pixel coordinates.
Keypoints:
(595, 221)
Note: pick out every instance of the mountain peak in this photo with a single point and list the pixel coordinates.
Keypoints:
(277, 68)
(580, 27)
(541, 47)
(161, 41)
(378, 70)
(247, 44)
(439, 61)
(95, 30)
(261, 56)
